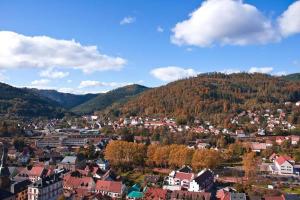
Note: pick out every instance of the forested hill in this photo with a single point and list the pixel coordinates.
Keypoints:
(292, 77)
(102, 101)
(211, 96)
(20, 103)
(65, 100)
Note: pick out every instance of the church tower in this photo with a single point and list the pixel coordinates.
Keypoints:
(4, 172)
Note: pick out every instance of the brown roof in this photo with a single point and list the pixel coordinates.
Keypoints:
(190, 195)
(109, 186)
(77, 182)
(155, 194)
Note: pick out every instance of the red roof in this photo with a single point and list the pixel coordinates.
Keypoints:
(184, 176)
(282, 159)
(280, 138)
(109, 186)
(36, 171)
(76, 182)
(155, 194)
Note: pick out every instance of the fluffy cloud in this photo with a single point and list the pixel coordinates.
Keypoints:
(172, 73)
(89, 83)
(20, 51)
(127, 20)
(53, 74)
(224, 22)
(40, 83)
(264, 70)
(289, 21)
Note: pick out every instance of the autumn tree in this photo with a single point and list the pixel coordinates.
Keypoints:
(161, 155)
(235, 151)
(206, 158)
(250, 163)
(125, 153)
(180, 155)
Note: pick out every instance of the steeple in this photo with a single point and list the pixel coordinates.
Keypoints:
(4, 172)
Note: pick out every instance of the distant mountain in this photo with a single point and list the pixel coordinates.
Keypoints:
(102, 101)
(292, 77)
(212, 96)
(21, 103)
(65, 100)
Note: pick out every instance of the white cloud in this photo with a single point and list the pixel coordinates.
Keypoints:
(53, 74)
(40, 83)
(224, 22)
(127, 20)
(264, 70)
(230, 71)
(281, 73)
(69, 81)
(89, 83)
(20, 51)
(289, 21)
(3, 77)
(172, 73)
(160, 29)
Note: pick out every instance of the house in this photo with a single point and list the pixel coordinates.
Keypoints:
(135, 192)
(24, 158)
(50, 188)
(103, 164)
(190, 195)
(75, 184)
(258, 147)
(284, 165)
(179, 179)
(295, 139)
(19, 189)
(71, 163)
(280, 139)
(202, 145)
(155, 193)
(34, 174)
(229, 193)
(12, 154)
(114, 189)
(202, 182)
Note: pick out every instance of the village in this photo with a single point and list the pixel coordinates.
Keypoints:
(78, 161)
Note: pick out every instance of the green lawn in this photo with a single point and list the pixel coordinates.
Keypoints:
(134, 177)
(295, 190)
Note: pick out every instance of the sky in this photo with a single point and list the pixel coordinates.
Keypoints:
(92, 46)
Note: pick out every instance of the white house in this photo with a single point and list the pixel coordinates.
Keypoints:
(103, 164)
(284, 165)
(49, 188)
(180, 178)
(113, 189)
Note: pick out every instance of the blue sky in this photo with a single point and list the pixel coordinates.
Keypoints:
(146, 42)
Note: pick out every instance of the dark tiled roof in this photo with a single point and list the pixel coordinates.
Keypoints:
(19, 186)
(44, 182)
(204, 176)
(185, 169)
